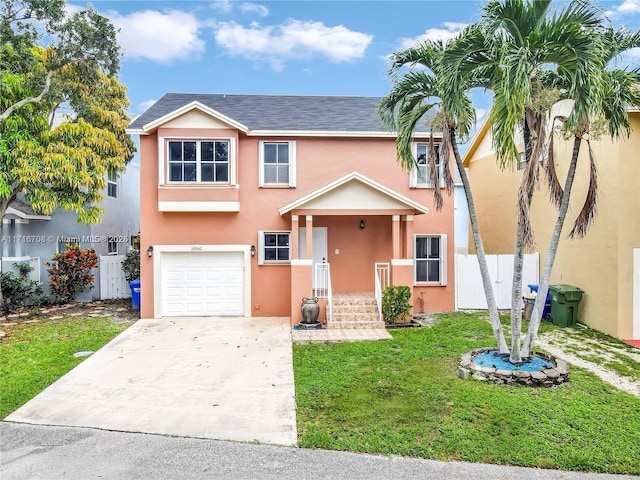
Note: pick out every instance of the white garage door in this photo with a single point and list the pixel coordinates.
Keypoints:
(202, 284)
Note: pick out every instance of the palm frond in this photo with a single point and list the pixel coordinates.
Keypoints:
(589, 208)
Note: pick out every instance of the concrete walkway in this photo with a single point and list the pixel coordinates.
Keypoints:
(38, 452)
(218, 378)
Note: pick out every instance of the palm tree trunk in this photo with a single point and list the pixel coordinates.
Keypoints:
(543, 288)
(482, 259)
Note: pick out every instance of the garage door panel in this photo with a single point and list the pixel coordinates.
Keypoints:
(203, 283)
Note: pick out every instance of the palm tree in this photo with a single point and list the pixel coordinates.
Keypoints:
(619, 91)
(514, 41)
(418, 93)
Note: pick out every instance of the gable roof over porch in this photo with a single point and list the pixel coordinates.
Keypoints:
(355, 194)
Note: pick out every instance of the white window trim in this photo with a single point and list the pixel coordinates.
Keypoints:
(413, 174)
(163, 145)
(443, 259)
(114, 183)
(292, 164)
(261, 260)
(111, 241)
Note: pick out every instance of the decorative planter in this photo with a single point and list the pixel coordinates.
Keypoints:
(310, 311)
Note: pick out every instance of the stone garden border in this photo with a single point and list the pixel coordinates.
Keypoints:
(549, 377)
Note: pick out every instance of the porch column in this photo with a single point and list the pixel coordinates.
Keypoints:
(309, 236)
(17, 246)
(408, 236)
(395, 235)
(295, 223)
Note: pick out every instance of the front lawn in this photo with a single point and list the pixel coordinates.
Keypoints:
(402, 397)
(36, 355)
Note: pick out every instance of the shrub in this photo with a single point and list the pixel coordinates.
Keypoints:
(395, 304)
(70, 272)
(131, 265)
(18, 291)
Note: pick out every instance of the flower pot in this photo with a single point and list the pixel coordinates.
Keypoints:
(310, 311)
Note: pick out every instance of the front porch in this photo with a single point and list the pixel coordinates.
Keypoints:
(350, 240)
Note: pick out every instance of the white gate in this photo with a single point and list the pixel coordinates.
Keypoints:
(112, 281)
(469, 289)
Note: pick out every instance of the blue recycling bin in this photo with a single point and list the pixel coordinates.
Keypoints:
(134, 285)
(546, 313)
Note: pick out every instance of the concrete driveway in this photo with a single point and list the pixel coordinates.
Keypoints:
(225, 378)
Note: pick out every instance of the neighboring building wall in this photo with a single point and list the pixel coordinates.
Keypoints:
(121, 218)
(319, 162)
(600, 263)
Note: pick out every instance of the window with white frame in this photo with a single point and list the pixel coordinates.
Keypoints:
(522, 161)
(274, 247)
(112, 185)
(419, 176)
(277, 164)
(430, 253)
(112, 246)
(199, 161)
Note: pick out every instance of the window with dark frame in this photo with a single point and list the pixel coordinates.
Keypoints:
(198, 161)
(277, 247)
(428, 258)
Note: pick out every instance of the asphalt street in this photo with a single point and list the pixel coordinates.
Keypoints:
(33, 452)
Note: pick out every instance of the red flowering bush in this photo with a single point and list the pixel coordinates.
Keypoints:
(70, 272)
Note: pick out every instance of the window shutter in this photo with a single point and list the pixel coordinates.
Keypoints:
(260, 247)
(261, 164)
(443, 259)
(292, 164)
(233, 162)
(413, 173)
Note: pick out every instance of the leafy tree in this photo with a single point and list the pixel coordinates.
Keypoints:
(62, 109)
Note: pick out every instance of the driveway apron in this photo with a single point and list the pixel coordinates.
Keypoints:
(225, 378)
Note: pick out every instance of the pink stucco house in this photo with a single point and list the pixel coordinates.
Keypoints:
(251, 202)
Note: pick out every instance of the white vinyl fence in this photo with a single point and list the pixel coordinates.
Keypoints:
(469, 290)
(112, 281)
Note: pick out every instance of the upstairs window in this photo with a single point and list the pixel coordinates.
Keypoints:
(277, 164)
(419, 176)
(199, 161)
(112, 185)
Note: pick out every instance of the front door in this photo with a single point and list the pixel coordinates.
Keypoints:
(319, 238)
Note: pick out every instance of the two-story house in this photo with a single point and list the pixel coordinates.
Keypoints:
(251, 202)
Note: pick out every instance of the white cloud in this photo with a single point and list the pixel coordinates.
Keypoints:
(157, 36)
(291, 40)
(450, 30)
(259, 10)
(222, 6)
(144, 106)
(625, 8)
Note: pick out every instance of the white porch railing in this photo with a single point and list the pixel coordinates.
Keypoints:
(381, 282)
(322, 285)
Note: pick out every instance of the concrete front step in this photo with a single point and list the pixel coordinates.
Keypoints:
(353, 325)
(354, 317)
(355, 310)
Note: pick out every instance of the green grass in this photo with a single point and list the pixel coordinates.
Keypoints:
(402, 397)
(36, 355)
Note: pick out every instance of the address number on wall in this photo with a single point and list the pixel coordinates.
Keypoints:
(196, 249)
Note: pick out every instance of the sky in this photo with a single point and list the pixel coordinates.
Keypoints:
(284, 47)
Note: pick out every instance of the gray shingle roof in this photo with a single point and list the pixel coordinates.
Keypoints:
(279, 112)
